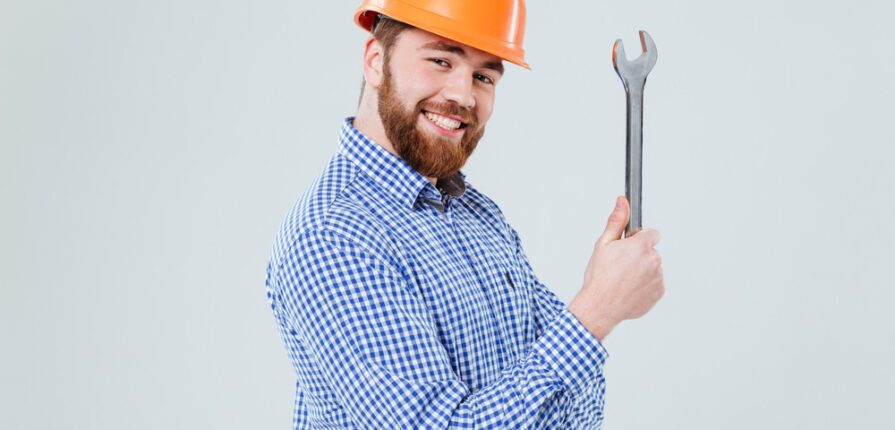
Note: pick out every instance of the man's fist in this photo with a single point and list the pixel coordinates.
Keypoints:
(623, 279)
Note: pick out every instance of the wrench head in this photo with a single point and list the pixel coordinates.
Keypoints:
(636, 70)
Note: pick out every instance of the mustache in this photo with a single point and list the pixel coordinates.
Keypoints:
(465, 114)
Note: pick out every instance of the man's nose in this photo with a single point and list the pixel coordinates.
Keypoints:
(459, 89)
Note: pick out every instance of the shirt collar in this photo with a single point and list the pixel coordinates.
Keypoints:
(393, 173)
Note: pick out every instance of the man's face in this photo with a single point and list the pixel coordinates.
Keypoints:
(435, 98)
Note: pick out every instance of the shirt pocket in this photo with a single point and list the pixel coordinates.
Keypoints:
(514, 302)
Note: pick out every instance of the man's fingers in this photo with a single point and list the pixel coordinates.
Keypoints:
(650, 235)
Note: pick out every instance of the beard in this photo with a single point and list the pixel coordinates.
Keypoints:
(430, 155)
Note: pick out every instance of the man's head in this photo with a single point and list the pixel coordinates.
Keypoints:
(428, 92)
(434, 95)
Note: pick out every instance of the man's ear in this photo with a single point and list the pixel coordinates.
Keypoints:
(373, 54)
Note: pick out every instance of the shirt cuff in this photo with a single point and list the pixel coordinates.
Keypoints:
(575, 355)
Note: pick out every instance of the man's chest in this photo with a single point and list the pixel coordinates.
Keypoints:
(467, 273)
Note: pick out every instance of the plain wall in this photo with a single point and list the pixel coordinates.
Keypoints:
(150, 149)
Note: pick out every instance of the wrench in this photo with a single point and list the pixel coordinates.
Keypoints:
(633, 75)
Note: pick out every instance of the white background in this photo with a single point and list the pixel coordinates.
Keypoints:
(150, 149)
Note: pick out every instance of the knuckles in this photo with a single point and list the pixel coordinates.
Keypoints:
(646, 246)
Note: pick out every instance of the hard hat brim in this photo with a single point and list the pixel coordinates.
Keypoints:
(444, 27)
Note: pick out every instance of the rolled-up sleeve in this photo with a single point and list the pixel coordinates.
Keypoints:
(373, 338)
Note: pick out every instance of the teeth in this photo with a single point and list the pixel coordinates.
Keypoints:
(443, 122)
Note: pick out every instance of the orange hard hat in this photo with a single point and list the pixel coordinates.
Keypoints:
(493, 26)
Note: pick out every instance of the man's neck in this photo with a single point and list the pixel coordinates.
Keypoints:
(371, 127)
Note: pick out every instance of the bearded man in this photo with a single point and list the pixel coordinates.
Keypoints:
(403, 296)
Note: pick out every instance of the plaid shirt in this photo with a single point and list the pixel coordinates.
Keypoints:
(408, 305)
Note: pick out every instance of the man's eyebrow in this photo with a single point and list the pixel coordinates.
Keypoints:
(494, 65)
(439, 45)
(444, 46)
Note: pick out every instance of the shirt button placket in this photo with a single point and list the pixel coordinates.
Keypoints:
(448, 212)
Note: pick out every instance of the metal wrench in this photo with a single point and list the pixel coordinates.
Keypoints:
(633, 75)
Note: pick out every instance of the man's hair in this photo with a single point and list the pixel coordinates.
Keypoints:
(386, 30)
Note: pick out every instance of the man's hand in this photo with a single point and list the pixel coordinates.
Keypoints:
(623, 279)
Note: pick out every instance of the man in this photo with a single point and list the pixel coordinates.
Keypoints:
(403, 296)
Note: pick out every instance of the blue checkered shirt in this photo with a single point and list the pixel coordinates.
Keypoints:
(404, 304)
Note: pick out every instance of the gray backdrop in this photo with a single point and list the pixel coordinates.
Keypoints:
(149, 150)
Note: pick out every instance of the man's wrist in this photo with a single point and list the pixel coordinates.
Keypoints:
(598, 325)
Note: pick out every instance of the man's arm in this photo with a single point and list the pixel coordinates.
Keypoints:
(546, 303)
(586, 408)
(378, 348)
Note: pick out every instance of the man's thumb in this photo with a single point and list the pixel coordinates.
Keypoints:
(618, 220)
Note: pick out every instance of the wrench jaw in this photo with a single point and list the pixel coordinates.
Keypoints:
(636, 70)
(650, 54)
(619, 59)
(618, 55)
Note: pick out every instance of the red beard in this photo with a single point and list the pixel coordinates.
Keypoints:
(431, 156)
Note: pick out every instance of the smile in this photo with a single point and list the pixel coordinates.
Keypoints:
(444, 122)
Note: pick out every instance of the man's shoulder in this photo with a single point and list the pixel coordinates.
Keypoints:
(327, 207)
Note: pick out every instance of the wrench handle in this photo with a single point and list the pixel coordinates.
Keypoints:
(634, 157)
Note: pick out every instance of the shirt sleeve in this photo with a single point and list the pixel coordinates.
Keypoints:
(586, 404)
(377, 346)
(547, 303)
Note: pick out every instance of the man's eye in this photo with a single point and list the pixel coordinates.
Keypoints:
(441, 62)
(484, 79)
